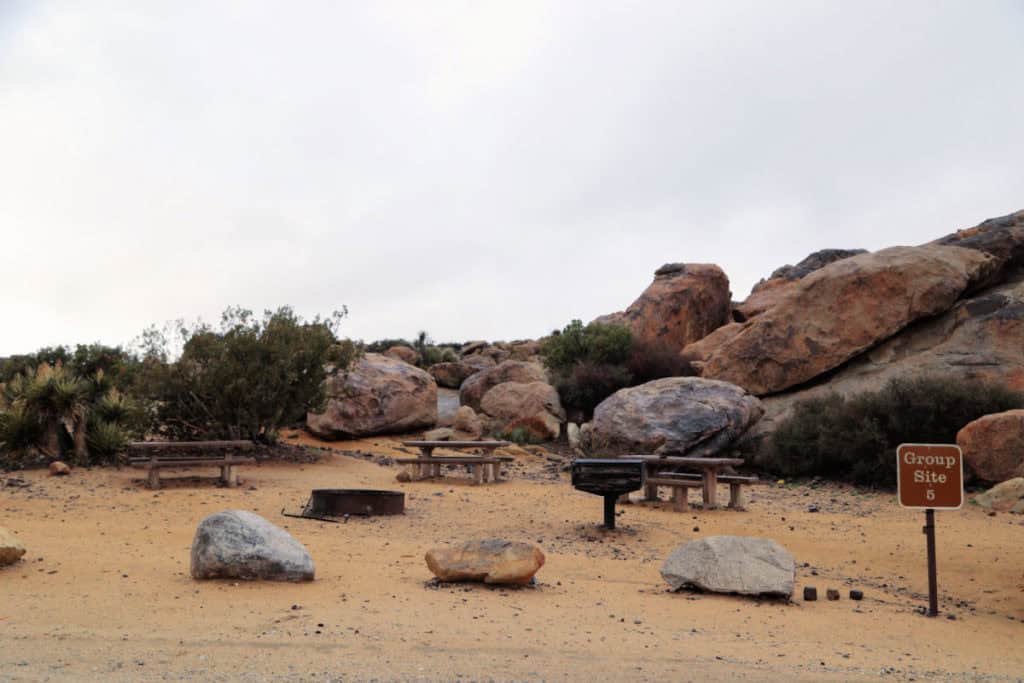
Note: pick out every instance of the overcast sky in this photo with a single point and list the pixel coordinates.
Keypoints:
(476, 169)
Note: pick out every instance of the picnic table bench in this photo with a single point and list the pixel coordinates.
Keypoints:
(484, 467)
(157, 455)
(707, 479)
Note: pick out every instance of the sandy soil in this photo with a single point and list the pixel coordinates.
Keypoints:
(105, 594)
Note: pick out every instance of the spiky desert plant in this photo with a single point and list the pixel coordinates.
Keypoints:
(105, 439)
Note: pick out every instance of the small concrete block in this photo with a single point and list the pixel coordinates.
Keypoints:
(832, 594)
(810, 593)
(856, 595)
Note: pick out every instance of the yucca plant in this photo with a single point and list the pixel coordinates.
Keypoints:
(19, 429)
(105, 440)
(57, 397)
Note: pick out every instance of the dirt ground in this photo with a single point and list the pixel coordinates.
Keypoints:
(104, 592)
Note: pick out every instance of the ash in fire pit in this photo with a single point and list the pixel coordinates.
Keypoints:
(344, 502)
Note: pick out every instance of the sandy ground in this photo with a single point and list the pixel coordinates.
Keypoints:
(105, 594)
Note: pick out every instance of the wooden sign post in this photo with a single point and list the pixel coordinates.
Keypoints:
(930, 477)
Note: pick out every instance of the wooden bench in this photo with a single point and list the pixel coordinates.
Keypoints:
(157, 455)
(680, 483)
(484, 467)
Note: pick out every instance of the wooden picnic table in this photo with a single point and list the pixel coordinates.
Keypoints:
(157, 455)
(484, 466)
(654, 465)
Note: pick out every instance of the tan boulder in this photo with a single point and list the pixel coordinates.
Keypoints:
(490, 561)
(685, 302)
(980, 339)
(452, 375)
(377, 395)
(467, 425)
(477, 385)
(993, 445)
(697, 352)
(403, 353)
(536, 428)
(1005, 497)
(11, 549)
(768, 293)
(59, 469)
(439, 434)
(534, 405)
(843, 309)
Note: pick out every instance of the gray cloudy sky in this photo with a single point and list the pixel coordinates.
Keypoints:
(476, 169)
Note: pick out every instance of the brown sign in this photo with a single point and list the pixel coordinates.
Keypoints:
(930, 476)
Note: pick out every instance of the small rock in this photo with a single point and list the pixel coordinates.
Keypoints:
(812, 508)
(11, 549)
(856, 595)
(832, 594)
(59, 469)
(810, 593)
(403, 477)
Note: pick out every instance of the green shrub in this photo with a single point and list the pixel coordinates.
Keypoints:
(595, 343)
(588, 363)
(854, 439)
(105, 440)
(244, 379)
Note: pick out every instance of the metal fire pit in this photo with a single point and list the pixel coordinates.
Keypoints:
(327, 504)
(340, 502)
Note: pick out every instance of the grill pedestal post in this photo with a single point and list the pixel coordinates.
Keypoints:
(609, 510)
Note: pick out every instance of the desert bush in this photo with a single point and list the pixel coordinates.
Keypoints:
(244, 379)
(854, 438)
(588, 363)
(649, 361)
(589, 383)
(595, 343)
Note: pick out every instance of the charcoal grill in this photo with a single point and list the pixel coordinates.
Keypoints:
(326, 503)
(608, 477)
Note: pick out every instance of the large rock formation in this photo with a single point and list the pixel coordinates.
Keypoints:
(782, 281)
(476, 387)
(490, 561)
(11, 549)
(378, 395)
(1002, 237)
(981, 338)
(843, 309)
(685, 302)
(732, 564)
(675, 415)
(993, 445)
(236, 544)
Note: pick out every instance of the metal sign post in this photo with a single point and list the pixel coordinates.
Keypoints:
(930, 477)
